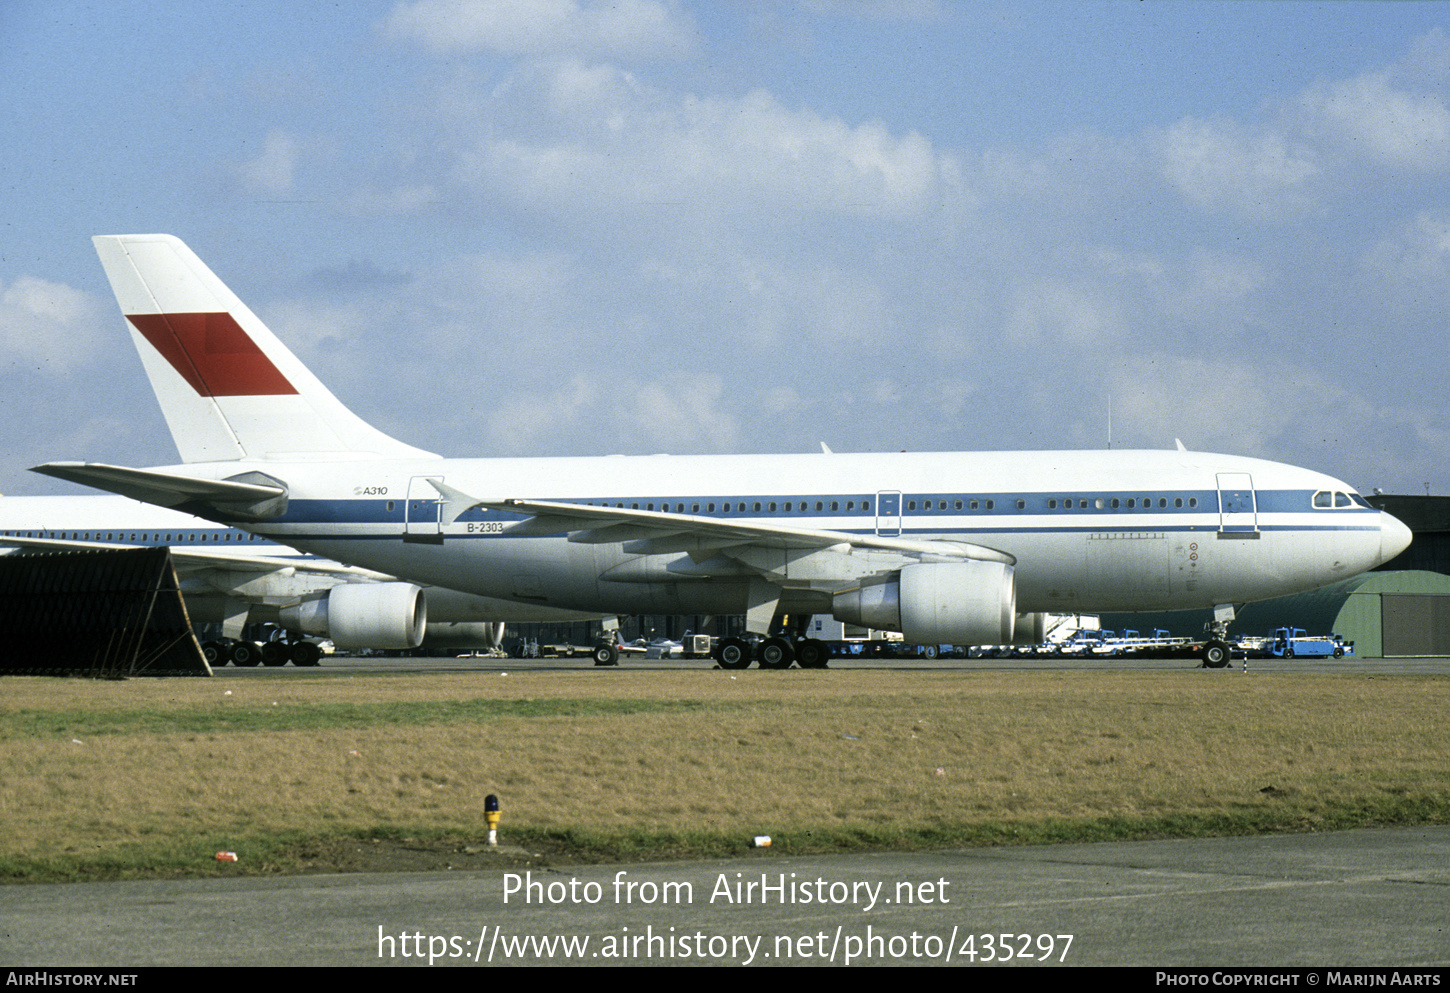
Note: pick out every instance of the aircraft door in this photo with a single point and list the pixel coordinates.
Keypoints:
(424, 511)
(1237, 508)
(888, 513)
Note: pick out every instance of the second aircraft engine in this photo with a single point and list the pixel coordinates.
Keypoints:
(363, 615)
(957, 603)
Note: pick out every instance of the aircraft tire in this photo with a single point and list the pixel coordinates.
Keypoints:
(305, 653)
(274, 654)
(1215, 655)
(812, 654)
(246, 653)
(606, 655)
(734, 654)
(215, 653)
(776, 653)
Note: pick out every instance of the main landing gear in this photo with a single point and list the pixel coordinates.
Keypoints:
(773, 653)
(271, 653)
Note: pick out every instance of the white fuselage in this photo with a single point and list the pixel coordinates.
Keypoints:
(219, 565)
(1090, 531)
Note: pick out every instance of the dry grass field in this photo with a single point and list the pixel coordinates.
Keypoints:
(151, 777)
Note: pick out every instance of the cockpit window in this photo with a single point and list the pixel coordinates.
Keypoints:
(1325, 499)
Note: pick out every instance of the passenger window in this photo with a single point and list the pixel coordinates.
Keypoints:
(958, 505)
(1052, 503)
(1021, 504)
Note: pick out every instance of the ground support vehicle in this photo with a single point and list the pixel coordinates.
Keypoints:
(1288, 643)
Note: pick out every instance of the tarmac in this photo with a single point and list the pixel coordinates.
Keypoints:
(1373, 899)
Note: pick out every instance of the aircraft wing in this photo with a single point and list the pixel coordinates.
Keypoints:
(649, 532)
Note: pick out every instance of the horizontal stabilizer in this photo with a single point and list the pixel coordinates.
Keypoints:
(165, 489)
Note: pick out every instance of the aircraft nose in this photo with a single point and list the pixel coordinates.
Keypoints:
(1394, 537)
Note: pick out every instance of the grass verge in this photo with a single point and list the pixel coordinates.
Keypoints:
(151, 778)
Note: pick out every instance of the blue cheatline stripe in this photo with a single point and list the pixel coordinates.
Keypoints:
(947, 532)
(976, 506)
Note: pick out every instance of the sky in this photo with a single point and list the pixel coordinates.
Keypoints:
(569, 227)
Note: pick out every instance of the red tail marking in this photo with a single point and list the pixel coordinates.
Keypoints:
(213, 354)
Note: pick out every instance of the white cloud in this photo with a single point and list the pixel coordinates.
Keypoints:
(673, 411)
(527, 422)
(273, 169)
(581, 140)
(52, 325)
(1057, 313)
(1368, 116)
(1414, 263)
(617, 29)
(1220, 166)
(880, 10)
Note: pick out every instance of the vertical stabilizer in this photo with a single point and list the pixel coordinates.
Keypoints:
(228, 387)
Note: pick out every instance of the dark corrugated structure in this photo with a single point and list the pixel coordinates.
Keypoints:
(1384, 613)
(106, 614)
(1428, 518)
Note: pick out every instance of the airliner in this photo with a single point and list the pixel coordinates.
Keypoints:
(236, 578)
(967, 548)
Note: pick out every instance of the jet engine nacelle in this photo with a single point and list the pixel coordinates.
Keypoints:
(1031, 629)
(363, 615)
(464, 634)
(930, 603)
